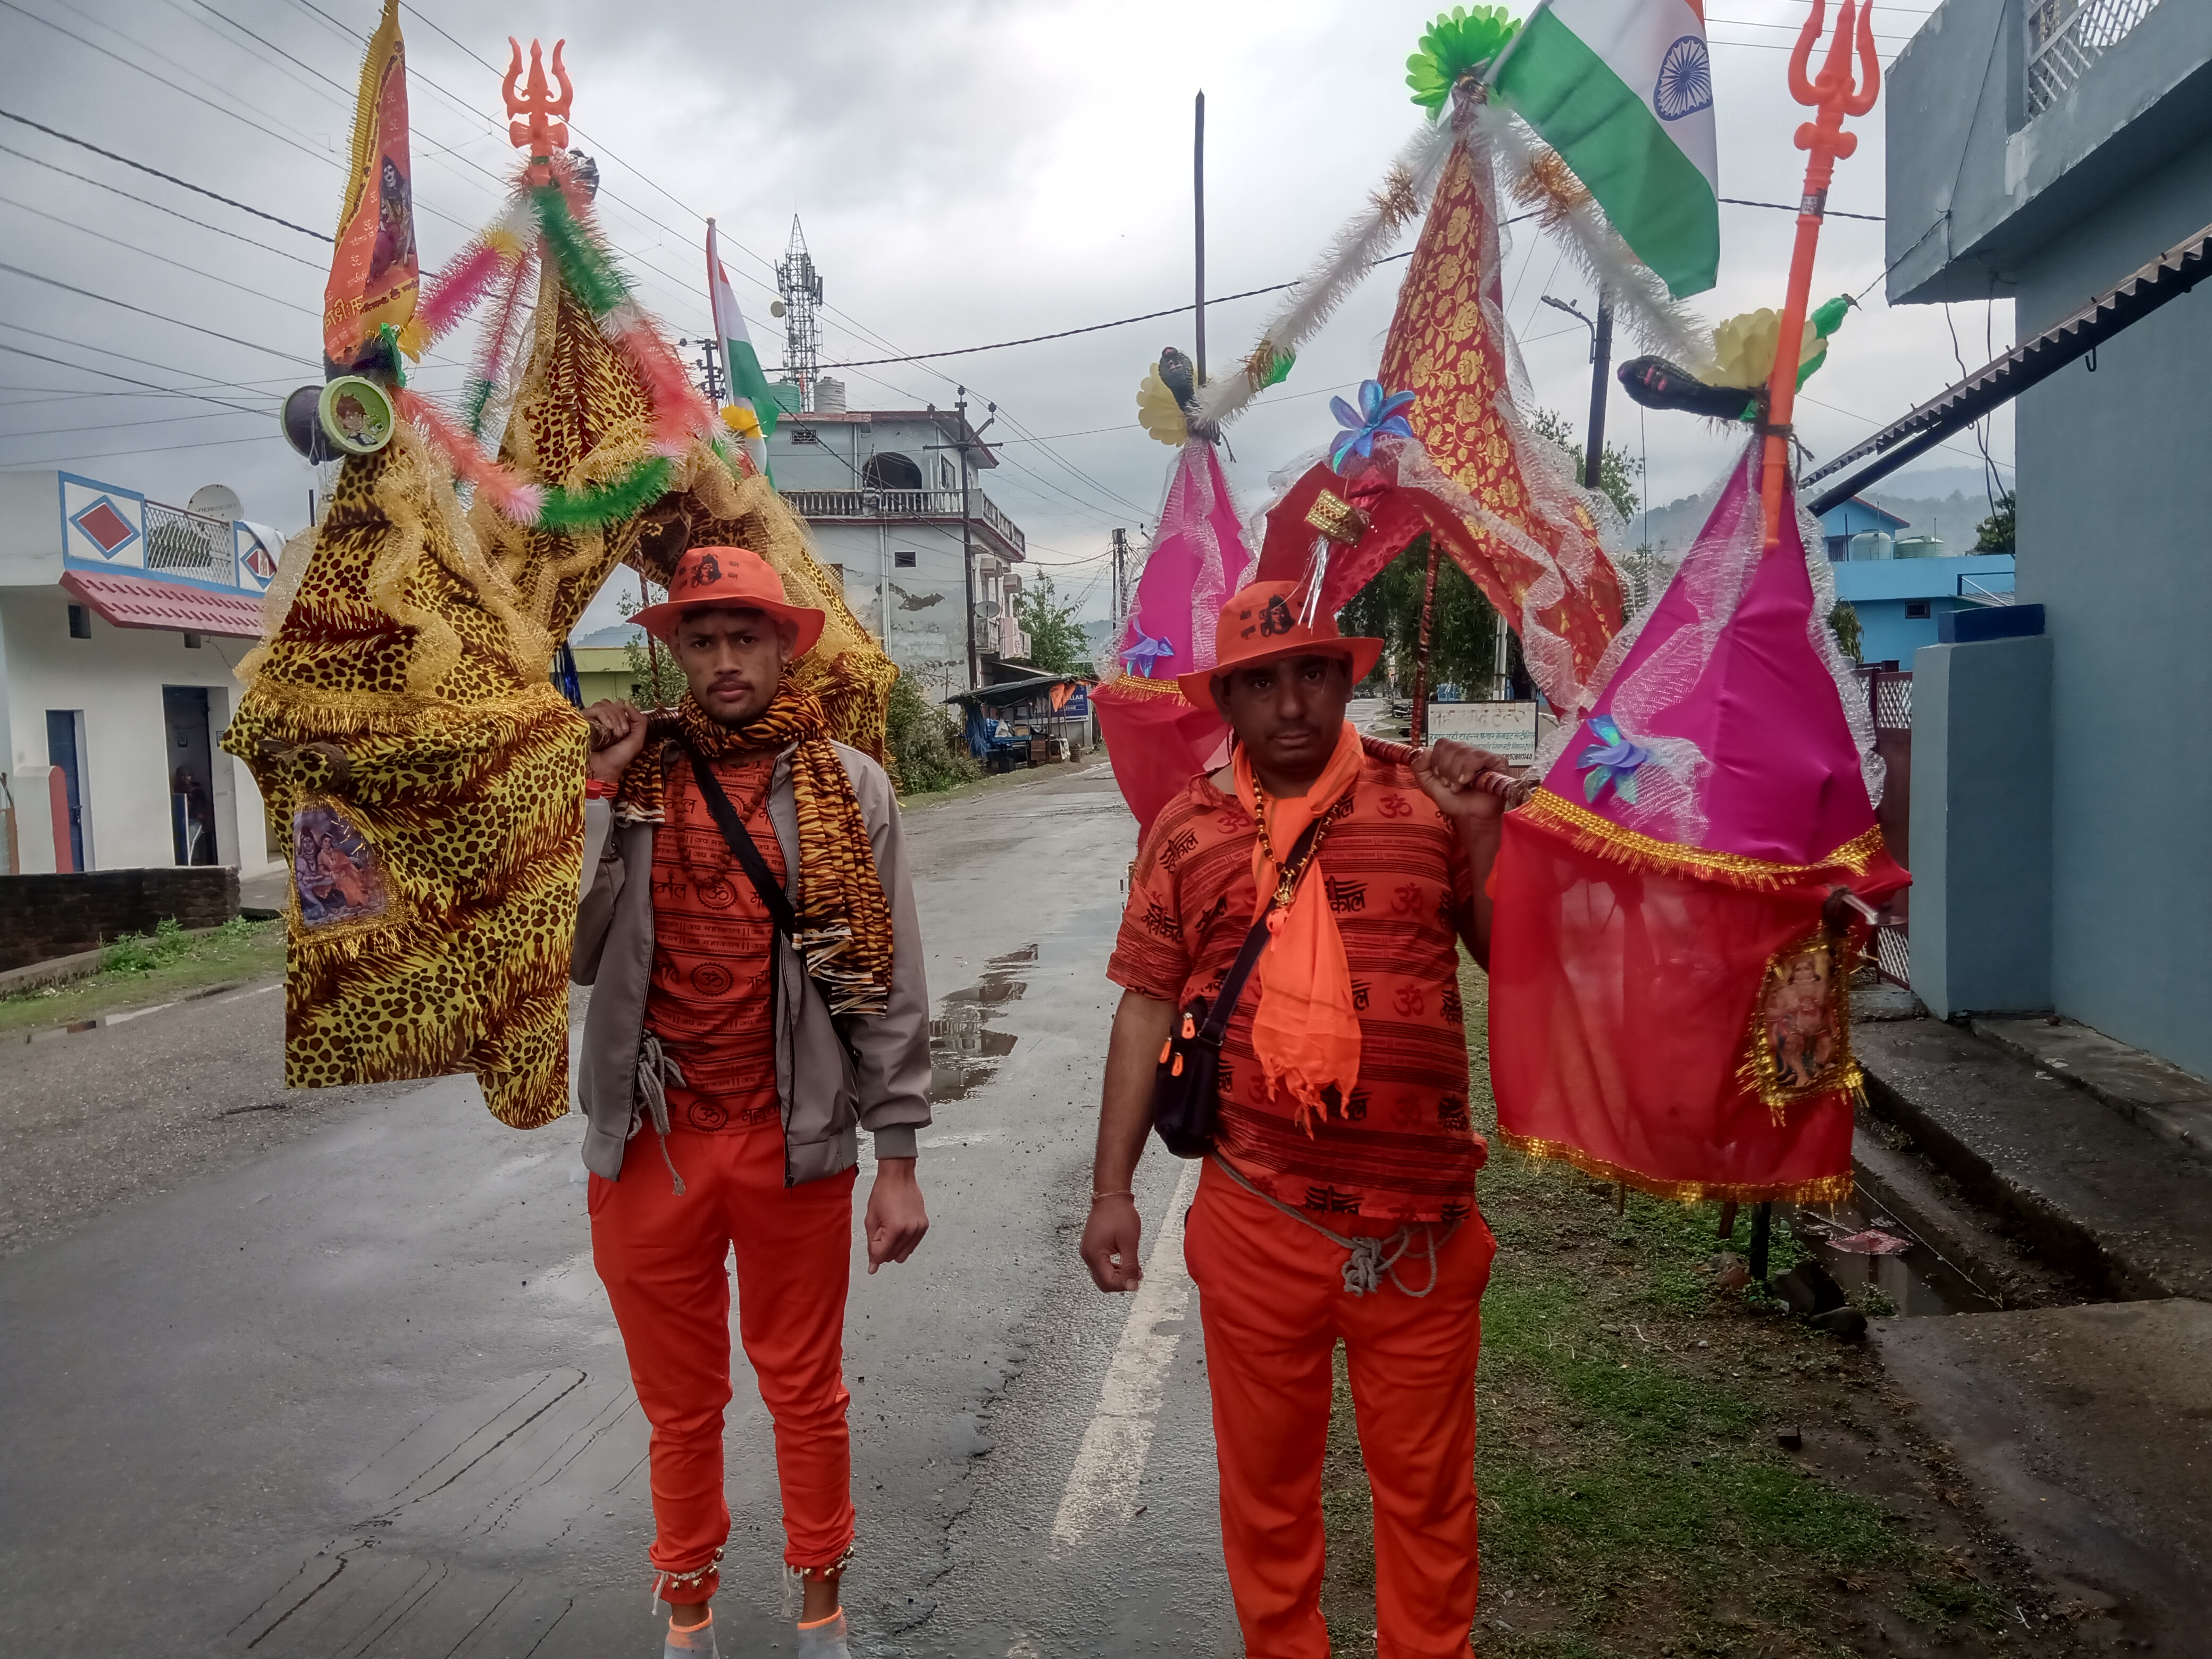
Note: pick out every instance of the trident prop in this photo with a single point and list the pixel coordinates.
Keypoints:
(1833, 94)
(547, 129)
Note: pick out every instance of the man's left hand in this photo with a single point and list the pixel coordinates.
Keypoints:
(895, 1219)
(1448, 770)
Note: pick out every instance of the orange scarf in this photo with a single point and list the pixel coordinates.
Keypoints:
(1305, 1031)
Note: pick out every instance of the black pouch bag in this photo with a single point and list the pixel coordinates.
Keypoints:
(1186, 1100)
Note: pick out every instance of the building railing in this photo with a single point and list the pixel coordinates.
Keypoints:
(189, 544)
(2064, 37)
(1971, 589)
(906, 504)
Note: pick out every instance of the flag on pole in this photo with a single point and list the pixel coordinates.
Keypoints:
(1623, 89)
(374, 275)
(751, 408)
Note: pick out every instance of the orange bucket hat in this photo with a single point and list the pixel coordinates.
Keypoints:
(728, 579)
(1260, 624)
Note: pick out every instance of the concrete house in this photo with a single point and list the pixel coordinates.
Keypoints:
(881, 491)
(2060, 807)
(120, 621)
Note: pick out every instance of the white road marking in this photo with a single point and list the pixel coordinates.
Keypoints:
(136, 1013)
(1103, 1486)
(257, 991)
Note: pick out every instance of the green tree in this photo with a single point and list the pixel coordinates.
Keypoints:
(1617, 470)
(655, 678)
(1463, 632)
(1058, 644)
(1996, 532)
(1844, 623)
(925, 741)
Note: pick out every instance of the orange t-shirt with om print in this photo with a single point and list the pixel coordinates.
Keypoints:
(1399, 884)
(709, 1000)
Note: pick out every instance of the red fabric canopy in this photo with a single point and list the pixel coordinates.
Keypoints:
(143, 602)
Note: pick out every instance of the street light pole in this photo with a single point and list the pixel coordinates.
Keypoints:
(967, 546)
(1601, 357)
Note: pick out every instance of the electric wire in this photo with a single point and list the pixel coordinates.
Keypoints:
(97, 184)
(171, 178)
(170, 322)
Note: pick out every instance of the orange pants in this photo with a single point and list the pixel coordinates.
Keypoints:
(1273, 1306)
(661, 1259)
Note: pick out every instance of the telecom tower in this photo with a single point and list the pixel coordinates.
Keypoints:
(800, 286)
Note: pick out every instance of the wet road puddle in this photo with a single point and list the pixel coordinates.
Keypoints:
(1864, 1245)
(963, 1050)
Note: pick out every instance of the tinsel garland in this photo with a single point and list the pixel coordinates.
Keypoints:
(586, 269)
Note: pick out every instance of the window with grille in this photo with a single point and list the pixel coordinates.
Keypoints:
(1916, 610)
(903, 559)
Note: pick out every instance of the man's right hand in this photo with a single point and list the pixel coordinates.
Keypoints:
(618, 731)
(1109, 1244)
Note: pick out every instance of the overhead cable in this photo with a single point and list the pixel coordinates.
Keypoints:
(171, 322)
(171, 178)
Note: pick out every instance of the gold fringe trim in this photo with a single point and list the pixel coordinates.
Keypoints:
(1397, 202)
(1587, 832)
(1138, 685)
(1822, 1189)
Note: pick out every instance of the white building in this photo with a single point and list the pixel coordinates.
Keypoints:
(120, 622)
(881, 491)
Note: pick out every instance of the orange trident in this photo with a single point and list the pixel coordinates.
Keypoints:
(547, 129)
(1832, 93)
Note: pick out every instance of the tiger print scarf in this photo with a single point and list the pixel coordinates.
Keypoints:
(844, 918)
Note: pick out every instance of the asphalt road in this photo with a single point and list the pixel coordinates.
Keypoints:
(337, 1378)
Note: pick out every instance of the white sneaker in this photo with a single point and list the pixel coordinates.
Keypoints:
(825, 1640)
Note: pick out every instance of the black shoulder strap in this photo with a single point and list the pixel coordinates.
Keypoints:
(1232, 983)
(741, 844)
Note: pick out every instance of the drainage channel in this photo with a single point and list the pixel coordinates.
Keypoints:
(1865, 1247)
(963, 1051)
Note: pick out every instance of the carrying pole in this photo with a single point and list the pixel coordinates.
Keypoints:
(1416, 726)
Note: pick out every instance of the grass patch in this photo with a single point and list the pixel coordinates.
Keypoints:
(143, 968)
(1635, 1499)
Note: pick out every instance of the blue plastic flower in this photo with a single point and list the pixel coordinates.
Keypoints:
(1143, 656)
(1379, 412)
(1612, 762)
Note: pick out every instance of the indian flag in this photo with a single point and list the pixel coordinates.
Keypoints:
(1623, 89)
(750, 411)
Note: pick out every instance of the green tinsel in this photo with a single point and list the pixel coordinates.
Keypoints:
(1459, 43)
(479, 400)
(590, 275)
(632, 493)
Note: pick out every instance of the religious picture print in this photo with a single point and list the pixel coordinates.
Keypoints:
(336, 871)
(1800, 1036)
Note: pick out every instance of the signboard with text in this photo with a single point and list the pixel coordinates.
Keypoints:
(1506, 729)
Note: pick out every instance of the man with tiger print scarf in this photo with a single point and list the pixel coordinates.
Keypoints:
(728, 1065)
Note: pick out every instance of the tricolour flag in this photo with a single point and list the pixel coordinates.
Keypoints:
(1623, 89)
(751, 408)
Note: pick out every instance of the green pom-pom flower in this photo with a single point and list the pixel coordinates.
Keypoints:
(1461, 42)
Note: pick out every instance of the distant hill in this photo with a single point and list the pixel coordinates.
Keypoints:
(1949, 502)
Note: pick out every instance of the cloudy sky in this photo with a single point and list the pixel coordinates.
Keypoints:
(966, 173)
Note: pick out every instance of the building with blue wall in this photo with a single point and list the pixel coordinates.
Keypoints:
(1899, 601)
(2043, 154)
(1853, 518)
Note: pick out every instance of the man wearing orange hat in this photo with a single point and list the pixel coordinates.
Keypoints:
(1338, 1201)
(748, 931)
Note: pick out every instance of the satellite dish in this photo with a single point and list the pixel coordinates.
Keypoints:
(775, 307)
(217, 502)
(987, 609)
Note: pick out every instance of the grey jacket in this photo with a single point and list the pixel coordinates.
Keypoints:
(825, 1100)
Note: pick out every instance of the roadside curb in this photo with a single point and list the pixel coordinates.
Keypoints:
(2169, 1102)
(2085, 1189)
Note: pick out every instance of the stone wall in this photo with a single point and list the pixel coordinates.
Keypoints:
(45, 916)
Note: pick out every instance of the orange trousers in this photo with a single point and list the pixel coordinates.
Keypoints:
(1272, 1304)
(661, 1258)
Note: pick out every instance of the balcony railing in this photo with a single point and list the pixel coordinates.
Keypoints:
(2064, 37)
(877, 504)
(189, 544)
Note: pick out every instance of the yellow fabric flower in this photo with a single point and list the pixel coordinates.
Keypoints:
(1159, 414)
(1743, 348)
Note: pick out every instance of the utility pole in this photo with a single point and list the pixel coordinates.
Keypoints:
(1601, 357)
(1121, 575)
(1600, 373)
(1198, 207)
(967, 545)
(709, 363)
